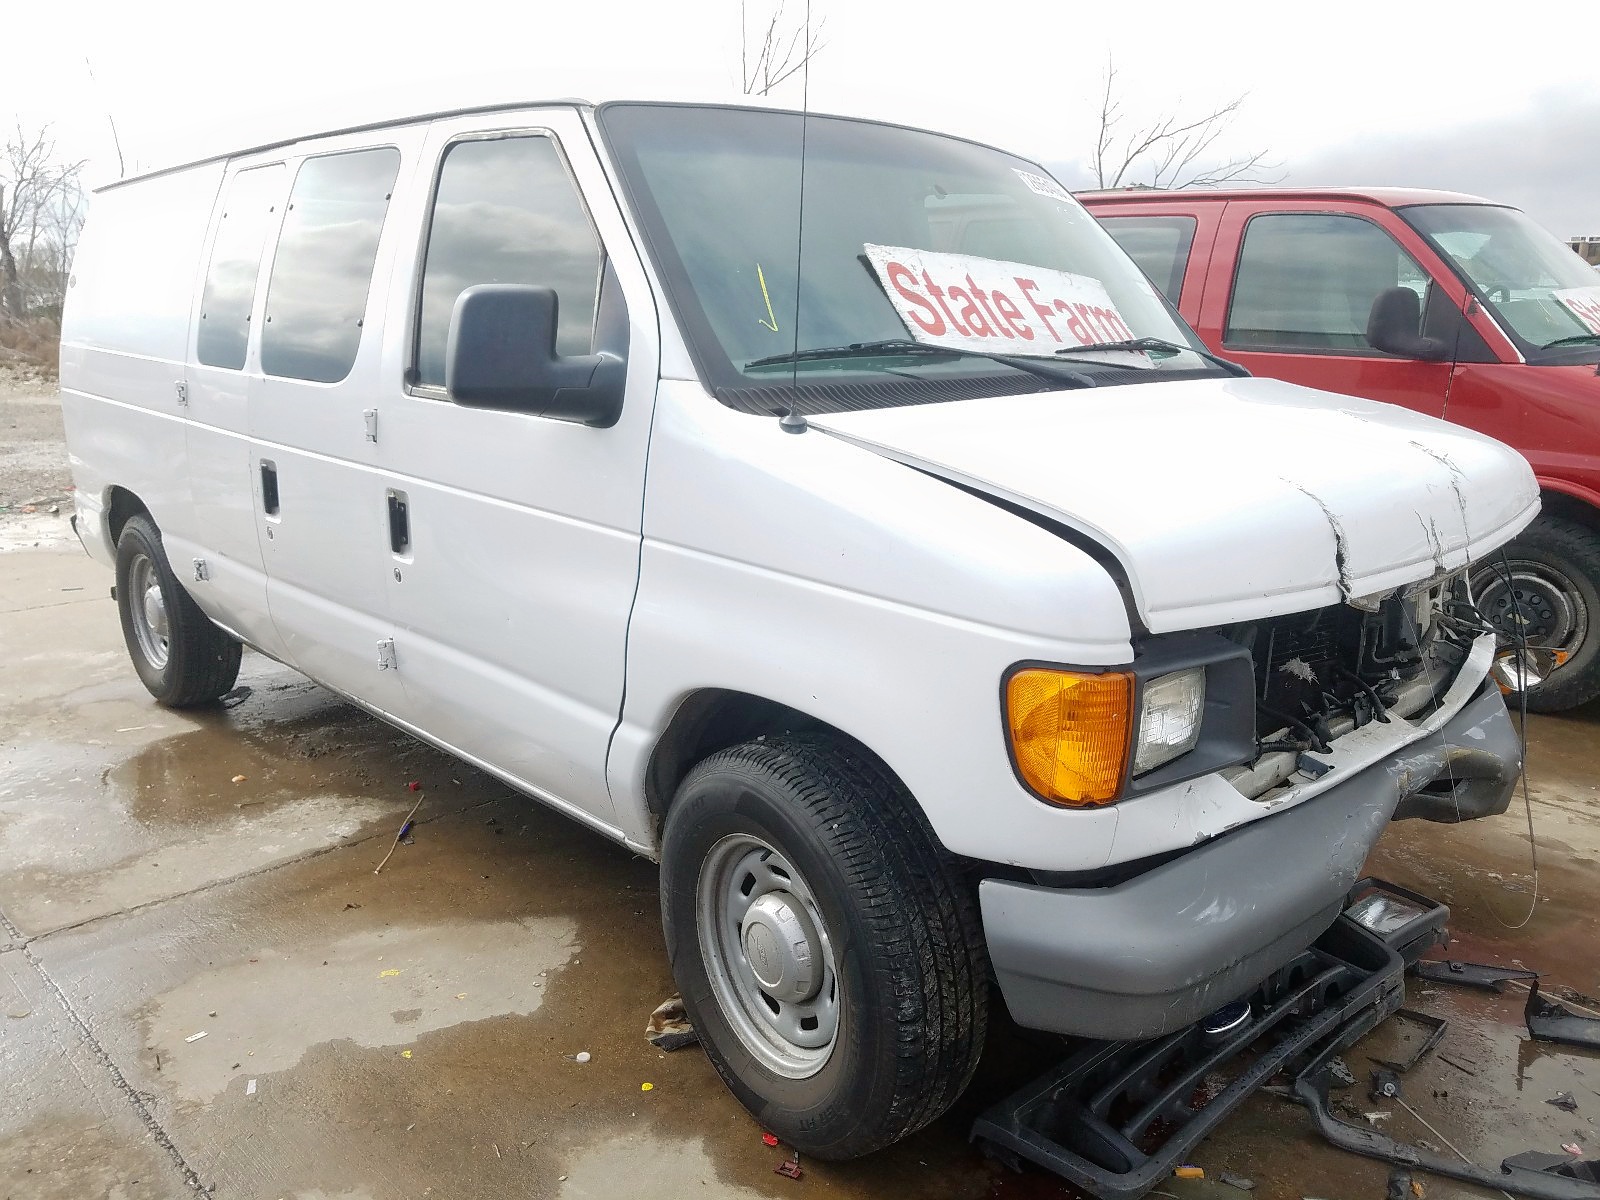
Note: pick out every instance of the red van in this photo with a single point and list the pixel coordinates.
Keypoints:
(1444, 303)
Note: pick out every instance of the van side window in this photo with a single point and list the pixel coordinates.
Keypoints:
(1308, 280)
(248, 211)
(317, 297)
(506, 211)
(1160, 245)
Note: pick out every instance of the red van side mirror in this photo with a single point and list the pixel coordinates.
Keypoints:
(1395, 323)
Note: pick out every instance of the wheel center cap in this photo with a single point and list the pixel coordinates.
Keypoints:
(779, 944)
(155, 612)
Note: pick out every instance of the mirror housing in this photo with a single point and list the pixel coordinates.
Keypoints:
(1395, 323)
(501, 354)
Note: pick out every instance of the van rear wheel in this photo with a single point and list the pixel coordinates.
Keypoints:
(826, 951)
(182, 658)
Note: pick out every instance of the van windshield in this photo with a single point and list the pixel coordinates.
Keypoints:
(924, 262)
(1543, 293)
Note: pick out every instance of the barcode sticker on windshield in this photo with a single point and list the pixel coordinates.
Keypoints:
(1043, 185)
(1583, 303)
(994, 306)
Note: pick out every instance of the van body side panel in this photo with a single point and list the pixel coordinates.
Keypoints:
(869, 595)
(1553, 412)
(226, 490)
(326, 549)
(124, 339)
(511, 604)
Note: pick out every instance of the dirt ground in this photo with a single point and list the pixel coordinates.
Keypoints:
(204, 984)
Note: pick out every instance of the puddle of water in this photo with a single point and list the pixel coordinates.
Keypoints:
(376, 988)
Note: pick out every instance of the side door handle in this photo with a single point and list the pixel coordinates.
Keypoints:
(269, 488)
(399, 523)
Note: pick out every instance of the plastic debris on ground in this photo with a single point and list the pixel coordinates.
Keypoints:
(1188, 1172)
(1549, 1021)
(582, 1056)
(195, 1037)
(669, 1027)
(789, 1167)
(1564, 1101)
(1237, 1181)
(770, 1139)
(250, 1088)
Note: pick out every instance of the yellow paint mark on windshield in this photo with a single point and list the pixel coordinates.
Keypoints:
(771, 322)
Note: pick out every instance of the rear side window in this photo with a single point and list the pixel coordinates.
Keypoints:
(248, 212)
(322, 272)
(1160, 245)
(506, 211)
(1307, 281)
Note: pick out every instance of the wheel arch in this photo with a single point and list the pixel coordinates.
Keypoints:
(1577, 507)
(121, 504)
(712, 719)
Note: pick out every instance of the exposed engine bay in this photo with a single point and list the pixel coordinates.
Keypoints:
(1322, 674)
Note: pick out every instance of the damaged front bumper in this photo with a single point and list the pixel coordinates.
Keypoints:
(1157, 952)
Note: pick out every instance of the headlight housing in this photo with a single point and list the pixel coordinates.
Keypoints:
(1087, 738)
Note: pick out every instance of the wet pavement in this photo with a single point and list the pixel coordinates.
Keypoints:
(204, 984)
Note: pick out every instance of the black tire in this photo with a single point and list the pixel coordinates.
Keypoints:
(1564, 557)
(195, 662)
(906, 946)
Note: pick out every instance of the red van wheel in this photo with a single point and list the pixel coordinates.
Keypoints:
(1544, 592)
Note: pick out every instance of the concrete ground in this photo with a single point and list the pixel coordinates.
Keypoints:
(204, 984)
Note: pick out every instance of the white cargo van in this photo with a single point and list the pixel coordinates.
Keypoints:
(906, 578)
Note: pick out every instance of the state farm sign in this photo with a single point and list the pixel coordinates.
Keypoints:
(1583, 303)
(994, 306)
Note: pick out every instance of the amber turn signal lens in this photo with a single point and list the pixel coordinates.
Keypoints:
(1069, 733)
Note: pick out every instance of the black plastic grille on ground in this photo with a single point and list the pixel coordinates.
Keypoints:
(1116, 1117)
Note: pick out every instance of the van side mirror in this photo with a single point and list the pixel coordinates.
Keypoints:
(1395, 326)
(501, 354)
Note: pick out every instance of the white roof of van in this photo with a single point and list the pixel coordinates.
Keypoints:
(375, 109)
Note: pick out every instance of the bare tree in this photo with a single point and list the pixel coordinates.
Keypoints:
(783, 49)
(41, 212)
(1171, 152)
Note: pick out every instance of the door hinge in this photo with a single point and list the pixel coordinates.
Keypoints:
(182, 389)
(386, 658)
(201, 571)
(370, 415)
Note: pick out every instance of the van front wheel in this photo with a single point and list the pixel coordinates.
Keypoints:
(1545, 588)
(827, 953)
(181, 657)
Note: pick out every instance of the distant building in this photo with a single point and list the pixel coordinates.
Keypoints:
(1588, 248)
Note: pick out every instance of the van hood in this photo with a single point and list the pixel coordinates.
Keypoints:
(1226, 499)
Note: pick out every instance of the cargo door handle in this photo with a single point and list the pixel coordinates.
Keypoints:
(399, 523)
(269, 488)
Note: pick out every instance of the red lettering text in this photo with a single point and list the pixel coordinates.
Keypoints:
(898, 275)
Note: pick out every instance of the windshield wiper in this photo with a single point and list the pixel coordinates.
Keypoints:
(1040, 368)
(1154, 344)
(1572, 340)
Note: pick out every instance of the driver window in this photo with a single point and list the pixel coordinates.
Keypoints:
(506, 211)
(1306, 281)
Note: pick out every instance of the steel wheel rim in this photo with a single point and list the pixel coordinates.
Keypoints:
(768, 955)
(147, 606)
(1551, 609)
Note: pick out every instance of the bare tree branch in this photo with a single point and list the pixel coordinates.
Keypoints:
(783, 50)
(41, 212)
(1171, 152)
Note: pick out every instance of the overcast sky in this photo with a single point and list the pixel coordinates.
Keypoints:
(1474, 97)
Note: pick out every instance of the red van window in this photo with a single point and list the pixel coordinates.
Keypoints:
(1160, 245)
(1307, 281)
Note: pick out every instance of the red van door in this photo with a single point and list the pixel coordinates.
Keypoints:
(1290, 289)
